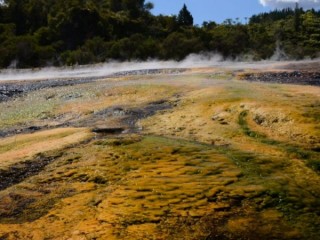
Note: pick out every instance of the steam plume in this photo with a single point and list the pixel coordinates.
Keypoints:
(291, 3)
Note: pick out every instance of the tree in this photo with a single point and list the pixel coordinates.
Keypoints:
(149, 6)
(115, 5)
(185, 18)
(209, 25)
(34, 33)
(297, 21)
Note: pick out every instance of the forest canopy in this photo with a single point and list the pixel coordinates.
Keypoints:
(37, 33)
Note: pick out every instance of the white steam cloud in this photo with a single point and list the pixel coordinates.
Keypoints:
(291, 3)
(105, 69)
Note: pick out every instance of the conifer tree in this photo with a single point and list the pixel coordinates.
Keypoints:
(185, 18)
(297, 21)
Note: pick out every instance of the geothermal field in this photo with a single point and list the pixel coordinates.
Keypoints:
(178, 151)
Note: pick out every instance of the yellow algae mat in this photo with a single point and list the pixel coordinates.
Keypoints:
(15, 149)
(201, 155)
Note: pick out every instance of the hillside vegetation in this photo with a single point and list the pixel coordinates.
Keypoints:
(36, 33)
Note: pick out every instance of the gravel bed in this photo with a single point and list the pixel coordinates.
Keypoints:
(295, 77)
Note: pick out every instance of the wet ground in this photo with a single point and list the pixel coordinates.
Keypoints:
(195, 154)
(295, 77)
(10, 89)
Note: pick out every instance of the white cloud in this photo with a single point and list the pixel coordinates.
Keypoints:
(290, 3)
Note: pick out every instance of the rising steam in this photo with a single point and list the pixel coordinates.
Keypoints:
(109, 68)
(291, 3)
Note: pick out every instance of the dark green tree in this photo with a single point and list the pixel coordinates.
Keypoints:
(115, 5)
(35, 33)
(185, 18)
(297, 21)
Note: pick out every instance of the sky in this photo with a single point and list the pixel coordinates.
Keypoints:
(220, 10)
